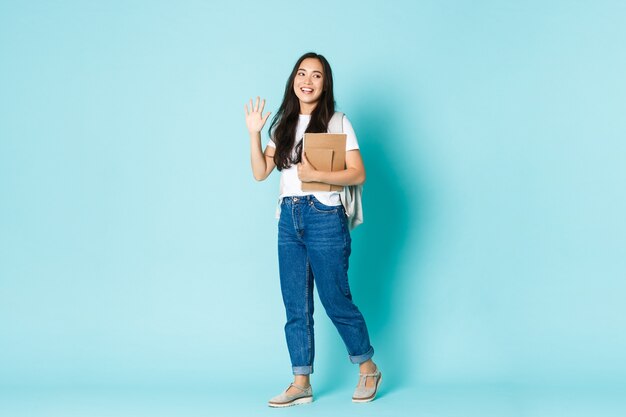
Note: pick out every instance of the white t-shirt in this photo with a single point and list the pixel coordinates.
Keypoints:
(290, 184)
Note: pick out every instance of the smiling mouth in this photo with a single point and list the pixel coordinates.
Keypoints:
(306, 90)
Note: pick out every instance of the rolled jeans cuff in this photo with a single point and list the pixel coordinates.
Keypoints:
(302, 370)
(362, 358)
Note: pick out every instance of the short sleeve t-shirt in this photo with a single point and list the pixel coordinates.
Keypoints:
(290, 184)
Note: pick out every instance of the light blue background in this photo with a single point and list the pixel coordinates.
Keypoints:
(138, 269)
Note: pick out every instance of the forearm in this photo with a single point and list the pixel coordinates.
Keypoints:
(348, 176)
(257, 158)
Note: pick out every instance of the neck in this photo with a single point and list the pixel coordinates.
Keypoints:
(306, 108)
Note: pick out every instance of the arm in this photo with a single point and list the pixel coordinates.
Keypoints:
(262, 162)
(354, 174)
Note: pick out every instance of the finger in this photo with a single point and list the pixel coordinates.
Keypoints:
(266, 116)
(251, 106)
(256, 105)
(305, 161)
(245, 106)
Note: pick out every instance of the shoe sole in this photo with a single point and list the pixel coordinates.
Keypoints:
(303, 400)
(366, 400)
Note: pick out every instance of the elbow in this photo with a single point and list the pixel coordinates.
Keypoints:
(261, 176)
(357, 177)
(361, 179)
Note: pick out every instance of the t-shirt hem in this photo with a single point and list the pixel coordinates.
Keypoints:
(323, 196)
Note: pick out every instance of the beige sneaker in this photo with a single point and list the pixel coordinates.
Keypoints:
(363, 394)
(285, 400)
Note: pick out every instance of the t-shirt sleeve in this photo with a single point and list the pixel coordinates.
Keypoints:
(351, 141)
(270, 143)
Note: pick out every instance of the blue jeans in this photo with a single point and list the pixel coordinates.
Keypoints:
(314, 247)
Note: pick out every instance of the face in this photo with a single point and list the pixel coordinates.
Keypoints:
(309, 83)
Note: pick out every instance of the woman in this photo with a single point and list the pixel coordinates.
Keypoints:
(313, 236)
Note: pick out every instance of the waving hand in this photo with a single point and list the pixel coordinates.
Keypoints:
(254, 116)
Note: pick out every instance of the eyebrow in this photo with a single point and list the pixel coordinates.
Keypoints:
(304, 69)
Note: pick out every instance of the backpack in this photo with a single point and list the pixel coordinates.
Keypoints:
(351, 195)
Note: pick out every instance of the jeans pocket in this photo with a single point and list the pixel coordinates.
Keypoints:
(321, 207)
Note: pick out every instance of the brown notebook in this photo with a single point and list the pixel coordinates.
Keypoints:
(326, 152)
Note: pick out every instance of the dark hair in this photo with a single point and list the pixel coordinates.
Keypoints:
(283, 127)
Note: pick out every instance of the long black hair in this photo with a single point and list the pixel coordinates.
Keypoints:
(283, 127)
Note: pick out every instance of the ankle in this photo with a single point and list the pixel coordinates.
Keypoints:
(302, 381)
(367, 367)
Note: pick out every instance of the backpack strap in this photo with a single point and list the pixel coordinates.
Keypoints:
(350, 196)
(335, 125)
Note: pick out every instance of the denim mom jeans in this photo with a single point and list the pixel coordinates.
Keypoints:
(314, 247)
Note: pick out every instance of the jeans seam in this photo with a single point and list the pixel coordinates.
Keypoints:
(293, 218)
(345, 254)
(306, 310)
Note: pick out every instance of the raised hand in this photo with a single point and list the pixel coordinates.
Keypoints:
(254, 116)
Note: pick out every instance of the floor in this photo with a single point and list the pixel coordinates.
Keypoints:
(244, 400)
